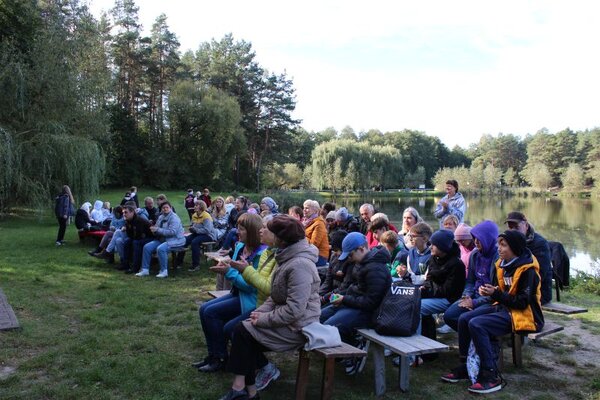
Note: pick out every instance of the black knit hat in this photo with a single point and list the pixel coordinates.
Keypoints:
(286, 228)
(515, 240)
(337, 237)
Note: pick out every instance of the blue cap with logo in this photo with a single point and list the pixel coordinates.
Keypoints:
(352, 242)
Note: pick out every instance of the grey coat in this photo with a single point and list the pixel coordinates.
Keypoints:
(170, 230)
(294, 301)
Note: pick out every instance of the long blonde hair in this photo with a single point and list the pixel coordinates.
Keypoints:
(67, 190)
(220, 213)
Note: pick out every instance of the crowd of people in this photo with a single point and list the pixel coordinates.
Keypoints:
(322, 263)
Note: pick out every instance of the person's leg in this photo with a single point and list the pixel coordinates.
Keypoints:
(230, 325)
(62, 228)
(464, 334)
(484, 329)
(213, 317)
(162, 252)
(149, 248)
(242, 362)
(110, 247)
(123, 247)
(195, 247)
(432, 306)
(347, 320)
(452, 313)
(137, 253)
(105, 239)
(327, 312)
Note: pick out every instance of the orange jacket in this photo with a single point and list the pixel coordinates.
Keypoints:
(316, 233)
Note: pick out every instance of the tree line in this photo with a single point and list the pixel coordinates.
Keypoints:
(92, 102)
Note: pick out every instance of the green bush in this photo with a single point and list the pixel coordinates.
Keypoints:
(585, 282)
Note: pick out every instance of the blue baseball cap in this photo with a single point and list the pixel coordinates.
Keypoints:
(352, 242)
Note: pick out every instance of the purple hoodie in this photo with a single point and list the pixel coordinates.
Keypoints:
(487, 234)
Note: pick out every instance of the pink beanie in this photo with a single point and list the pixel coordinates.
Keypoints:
(463, 232)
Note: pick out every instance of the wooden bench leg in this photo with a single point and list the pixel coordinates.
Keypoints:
(328, 376)
(379, 361)
(302, 375)
(403, 373)
(500, 354)
(516, 350)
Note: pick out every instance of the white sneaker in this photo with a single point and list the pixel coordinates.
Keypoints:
(163, 274)
(143, 272)
(444, 329)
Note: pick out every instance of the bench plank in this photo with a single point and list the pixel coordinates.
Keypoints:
(407, 346)
(345, 350)
(8, 319)
(549, 328)
(563, 308)
(215, 294)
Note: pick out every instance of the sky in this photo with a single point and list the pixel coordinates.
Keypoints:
(452, 69)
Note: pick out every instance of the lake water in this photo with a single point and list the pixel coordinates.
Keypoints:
(573, 222)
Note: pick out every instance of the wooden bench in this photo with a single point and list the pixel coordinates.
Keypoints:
(329, 355)
(517, 341)
(405, 347)
(175, 251)
(563, 308)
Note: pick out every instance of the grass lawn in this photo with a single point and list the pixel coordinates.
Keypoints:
(91, 332)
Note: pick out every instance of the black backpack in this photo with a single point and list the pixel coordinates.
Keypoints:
(400, 310)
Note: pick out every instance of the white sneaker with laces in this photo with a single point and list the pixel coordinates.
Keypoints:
(163, 274)
(143, 272)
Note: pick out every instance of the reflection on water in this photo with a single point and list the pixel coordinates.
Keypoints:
(573, 222)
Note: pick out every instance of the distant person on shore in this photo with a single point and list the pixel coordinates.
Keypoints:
(452, 203)
(538, 246)
(63, 209)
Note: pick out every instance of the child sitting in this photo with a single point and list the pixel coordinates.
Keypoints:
(517, 308)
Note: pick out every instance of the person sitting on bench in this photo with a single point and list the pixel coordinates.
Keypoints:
(277, 324)
(517, 308)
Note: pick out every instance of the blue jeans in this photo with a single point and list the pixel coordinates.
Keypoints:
(162, 252)
(113, 241)
(218, 318)
(432, 306)
(230, 238)
(453, 312)
(346, 320)
(321, 261)
(483, 325)
(195, 240)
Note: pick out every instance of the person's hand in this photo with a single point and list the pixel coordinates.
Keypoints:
(220, 268)
(153, 229)
(223, 252)
(444, 204)
(254, 317)
(487, 289)
(339, 273)
(65, 217)
(240, 265)
(123, 229)
(338, 300)
(466, 302)
(401, 270)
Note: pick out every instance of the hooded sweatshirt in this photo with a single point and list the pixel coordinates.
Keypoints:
(481, 269)
(97, 214)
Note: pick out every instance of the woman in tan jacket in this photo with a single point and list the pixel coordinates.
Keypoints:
(293, 304)
(315, 229)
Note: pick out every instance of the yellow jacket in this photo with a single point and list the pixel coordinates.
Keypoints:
(522, 319)
(260, 278)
